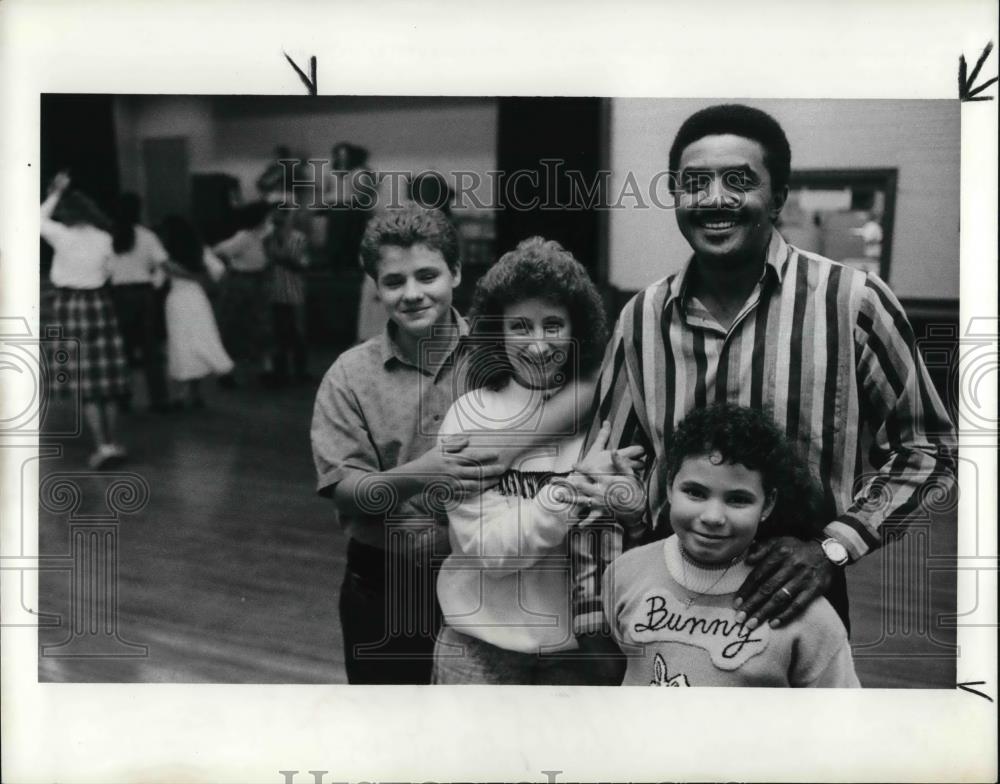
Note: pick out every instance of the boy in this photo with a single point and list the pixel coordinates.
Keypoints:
(374, 430)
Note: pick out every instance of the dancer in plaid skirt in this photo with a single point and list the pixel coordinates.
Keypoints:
(77, 231)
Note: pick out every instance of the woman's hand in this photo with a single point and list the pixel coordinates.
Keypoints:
(600, 460)
(622, 496)
(578, 492)
(606, 481)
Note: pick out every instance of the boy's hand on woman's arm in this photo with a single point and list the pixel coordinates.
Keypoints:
(467, 470)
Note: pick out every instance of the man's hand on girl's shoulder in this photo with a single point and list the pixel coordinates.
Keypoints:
(788, 575)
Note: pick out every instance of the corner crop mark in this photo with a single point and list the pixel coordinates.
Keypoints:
(309, 81)
(965, 687)
(966, 90)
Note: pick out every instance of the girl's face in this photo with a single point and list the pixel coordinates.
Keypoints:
(715, 508)
(537, 336)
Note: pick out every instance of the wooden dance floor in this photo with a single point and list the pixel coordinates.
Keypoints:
(230, 571)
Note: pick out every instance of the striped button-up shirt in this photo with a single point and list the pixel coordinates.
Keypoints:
(826, 350)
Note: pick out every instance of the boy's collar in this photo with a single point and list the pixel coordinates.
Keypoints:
(391, 349)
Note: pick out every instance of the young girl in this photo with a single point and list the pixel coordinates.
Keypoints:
(733, 478)
(78, 233)
(194, 349)
(537, 325)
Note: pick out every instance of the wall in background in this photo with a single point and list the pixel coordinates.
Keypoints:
(236, 135)
(920, 138)
(139, 117)
(401, 134)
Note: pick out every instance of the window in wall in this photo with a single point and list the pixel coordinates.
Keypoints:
(843, 214)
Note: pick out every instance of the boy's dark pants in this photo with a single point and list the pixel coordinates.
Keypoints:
(389, 614)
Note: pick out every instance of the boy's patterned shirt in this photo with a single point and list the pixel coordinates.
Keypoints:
(376, 410)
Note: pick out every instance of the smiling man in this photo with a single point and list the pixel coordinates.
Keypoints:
(826, 350)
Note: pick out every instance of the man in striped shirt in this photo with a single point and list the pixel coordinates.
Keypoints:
(827, 350)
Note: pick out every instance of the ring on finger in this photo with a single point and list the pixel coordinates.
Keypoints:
(785, 591)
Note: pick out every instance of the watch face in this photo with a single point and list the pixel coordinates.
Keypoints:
(835, 551)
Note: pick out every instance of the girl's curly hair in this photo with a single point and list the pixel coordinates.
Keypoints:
(749, 437)
(546, 270)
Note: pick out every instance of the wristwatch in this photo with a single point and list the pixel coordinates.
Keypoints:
(835, 552)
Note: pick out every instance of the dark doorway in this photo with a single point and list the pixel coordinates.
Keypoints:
(549, 142)
(78, 134)
(165, 163)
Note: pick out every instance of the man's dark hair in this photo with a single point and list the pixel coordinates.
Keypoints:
(406, 227)
(749, 437)
(738, 120)
(535, 268)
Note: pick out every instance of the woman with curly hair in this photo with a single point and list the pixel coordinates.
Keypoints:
(537, 326)
(732, 479)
